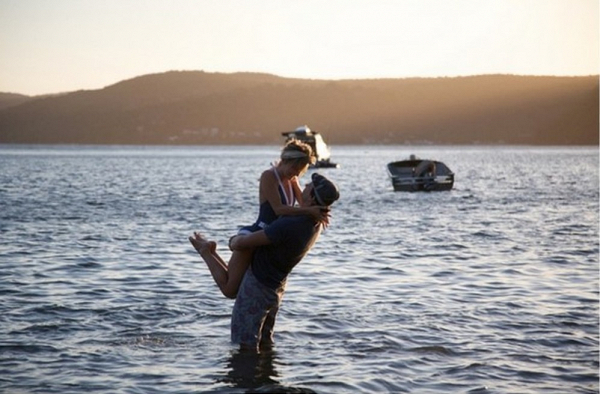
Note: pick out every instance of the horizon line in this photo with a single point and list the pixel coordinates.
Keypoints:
(302, 78)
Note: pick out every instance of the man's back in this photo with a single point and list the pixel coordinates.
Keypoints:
(291, 238)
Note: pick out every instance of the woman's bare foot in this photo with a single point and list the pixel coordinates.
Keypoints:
(202, 245)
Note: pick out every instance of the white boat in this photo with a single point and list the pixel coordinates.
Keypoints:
(316, 142)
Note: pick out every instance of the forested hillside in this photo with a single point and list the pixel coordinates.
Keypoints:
(196, 107)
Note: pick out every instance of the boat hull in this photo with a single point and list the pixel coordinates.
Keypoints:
(402, 175)
(324, 164)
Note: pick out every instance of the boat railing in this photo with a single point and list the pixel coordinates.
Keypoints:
(422, 179)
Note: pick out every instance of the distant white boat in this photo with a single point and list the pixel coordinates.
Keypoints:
(316, 142)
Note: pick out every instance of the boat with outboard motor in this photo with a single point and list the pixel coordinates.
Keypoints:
(316, 142)
(415, 175)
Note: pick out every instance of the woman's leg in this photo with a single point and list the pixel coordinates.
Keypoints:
(227, 276)
(238, 264)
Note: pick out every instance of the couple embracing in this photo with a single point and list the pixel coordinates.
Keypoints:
(264, 254)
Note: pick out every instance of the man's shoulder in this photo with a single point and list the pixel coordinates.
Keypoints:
(291, 224)
(295, 219)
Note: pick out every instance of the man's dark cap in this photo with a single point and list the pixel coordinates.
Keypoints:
(326, 192)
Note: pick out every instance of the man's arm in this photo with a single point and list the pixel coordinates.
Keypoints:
(249, 241)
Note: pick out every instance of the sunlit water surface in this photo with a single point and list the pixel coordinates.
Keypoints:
(489, 288)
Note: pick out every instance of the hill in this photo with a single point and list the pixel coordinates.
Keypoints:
(196, 107)
(12, 99)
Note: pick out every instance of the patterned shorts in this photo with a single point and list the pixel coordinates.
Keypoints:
(254, 312)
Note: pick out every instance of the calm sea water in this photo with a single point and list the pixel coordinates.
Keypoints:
(489, 288)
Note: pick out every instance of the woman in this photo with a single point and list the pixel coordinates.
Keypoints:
(278, 192)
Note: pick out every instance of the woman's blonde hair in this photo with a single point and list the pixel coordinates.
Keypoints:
(297, 153)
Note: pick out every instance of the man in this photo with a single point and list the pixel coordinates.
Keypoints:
(278, 249)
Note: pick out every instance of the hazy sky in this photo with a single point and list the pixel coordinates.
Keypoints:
(49, 46)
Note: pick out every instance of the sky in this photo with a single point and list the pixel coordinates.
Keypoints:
(52, 46)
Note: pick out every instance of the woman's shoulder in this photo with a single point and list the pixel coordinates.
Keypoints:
(267, 175)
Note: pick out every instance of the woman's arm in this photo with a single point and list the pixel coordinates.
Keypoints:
(297, 190)
(269, 190)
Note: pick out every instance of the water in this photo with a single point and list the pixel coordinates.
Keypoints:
(489, 288)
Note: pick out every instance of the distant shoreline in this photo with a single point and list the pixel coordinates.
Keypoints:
(275, 146)
(199, 108)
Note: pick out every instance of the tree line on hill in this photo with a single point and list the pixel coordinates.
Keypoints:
(195, 107)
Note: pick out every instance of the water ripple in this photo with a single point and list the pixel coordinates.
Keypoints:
(490, 288)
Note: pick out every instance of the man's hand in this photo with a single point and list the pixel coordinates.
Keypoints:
(321, 214)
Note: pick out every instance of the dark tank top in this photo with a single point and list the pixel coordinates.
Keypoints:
(266, 214)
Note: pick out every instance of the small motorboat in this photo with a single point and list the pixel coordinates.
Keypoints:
(415, 175)
(316, 142)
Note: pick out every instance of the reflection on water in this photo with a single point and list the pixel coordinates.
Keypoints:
(255, 372)
(250, 369)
